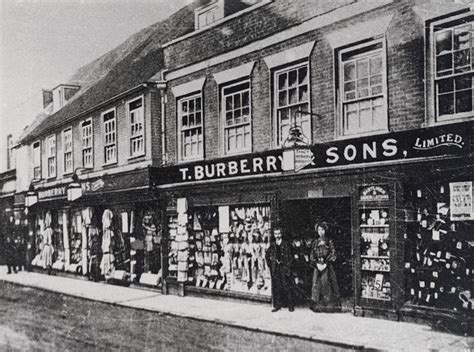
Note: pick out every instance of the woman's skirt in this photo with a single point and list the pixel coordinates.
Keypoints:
(47, 255)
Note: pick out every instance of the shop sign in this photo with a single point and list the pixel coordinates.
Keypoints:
(454, 139)
(461, 207)
(373, 194)
(52, 192)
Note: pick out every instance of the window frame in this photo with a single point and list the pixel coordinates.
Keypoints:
(70, 152)
(129, 119)
(105, 134)
(223, 111)
(215, 6)
(179, 100)
(364, 47)
(91, 147)
(50, 158)
(448, 23)
(306, 62)
(36, 163)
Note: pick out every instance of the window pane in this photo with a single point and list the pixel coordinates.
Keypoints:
(462, 60)
(444, 64)
(446, 104)
(349, 71)
(349, 86)
(464, 101)
(375, 65)
(443, 42)
(282, 81)
(303, 75)
(282, 101)
(245, 99)
(293, 96)
(362, 68)
(446, 85)
(303, 93)
(292, 78)
(462, 38)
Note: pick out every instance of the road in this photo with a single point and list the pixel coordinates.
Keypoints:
(37, 320)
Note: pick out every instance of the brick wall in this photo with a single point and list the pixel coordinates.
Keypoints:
(251, 26)
(151, 118)
(405, 76)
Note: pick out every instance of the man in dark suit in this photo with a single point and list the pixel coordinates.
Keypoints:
(278, 258)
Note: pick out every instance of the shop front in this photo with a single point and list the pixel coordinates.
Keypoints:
(110, 230)
(220, 214)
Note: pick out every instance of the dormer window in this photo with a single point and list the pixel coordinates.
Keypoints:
(215, 10)
(61, 95)
(209, 13)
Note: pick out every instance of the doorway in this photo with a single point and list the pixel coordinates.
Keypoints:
(297, 219)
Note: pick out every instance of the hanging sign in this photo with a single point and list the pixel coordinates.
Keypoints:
(461, 201)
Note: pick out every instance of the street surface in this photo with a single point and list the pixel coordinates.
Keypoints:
(32, 319)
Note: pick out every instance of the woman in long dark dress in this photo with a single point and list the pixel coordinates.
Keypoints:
(325, 291)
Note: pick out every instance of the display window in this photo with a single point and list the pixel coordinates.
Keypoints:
(75, 241)
(222, 248)
(145, 230)
(439, 241)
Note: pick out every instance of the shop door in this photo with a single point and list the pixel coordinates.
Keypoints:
(298, 218)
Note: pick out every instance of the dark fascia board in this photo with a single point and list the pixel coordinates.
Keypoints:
(8, 175)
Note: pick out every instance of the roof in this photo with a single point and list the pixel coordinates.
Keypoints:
(127, 66)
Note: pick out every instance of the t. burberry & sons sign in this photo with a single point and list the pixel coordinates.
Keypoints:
(435, 141)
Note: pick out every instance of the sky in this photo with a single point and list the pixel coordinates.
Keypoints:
(43, 42)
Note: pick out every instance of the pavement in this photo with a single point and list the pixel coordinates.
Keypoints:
(334, 329)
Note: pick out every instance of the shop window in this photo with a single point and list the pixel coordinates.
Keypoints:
(363, 89)
(37, 160)
(292, 94)
(75, 241)
(452, 49)
(110, 137)
(137, 140)
(190, 127)
(67, 151)
(145, 245)
(222, 248)
(51, 155)
(237, 118)
(439, 264)
(87, 151)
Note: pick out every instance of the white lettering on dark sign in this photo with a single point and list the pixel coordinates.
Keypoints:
(447, 139)
(373, 194)
(248, 166)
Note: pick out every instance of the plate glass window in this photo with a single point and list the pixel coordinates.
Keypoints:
(191, 127)
(363, 90)
(37, 160)
(110, 138)
(237, 119)
(292, 95)
(51, 155)
(87, 153)
(454, 70)
(67, 150)
(137, 144)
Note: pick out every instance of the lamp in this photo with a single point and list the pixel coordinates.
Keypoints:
(296, 150)
(74, 190)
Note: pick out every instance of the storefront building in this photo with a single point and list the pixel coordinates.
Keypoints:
(7, 192)
(356, 113)
(327, 119)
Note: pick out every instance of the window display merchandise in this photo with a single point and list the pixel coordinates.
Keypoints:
(439, 247)
(375, 253)
(221, 247)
